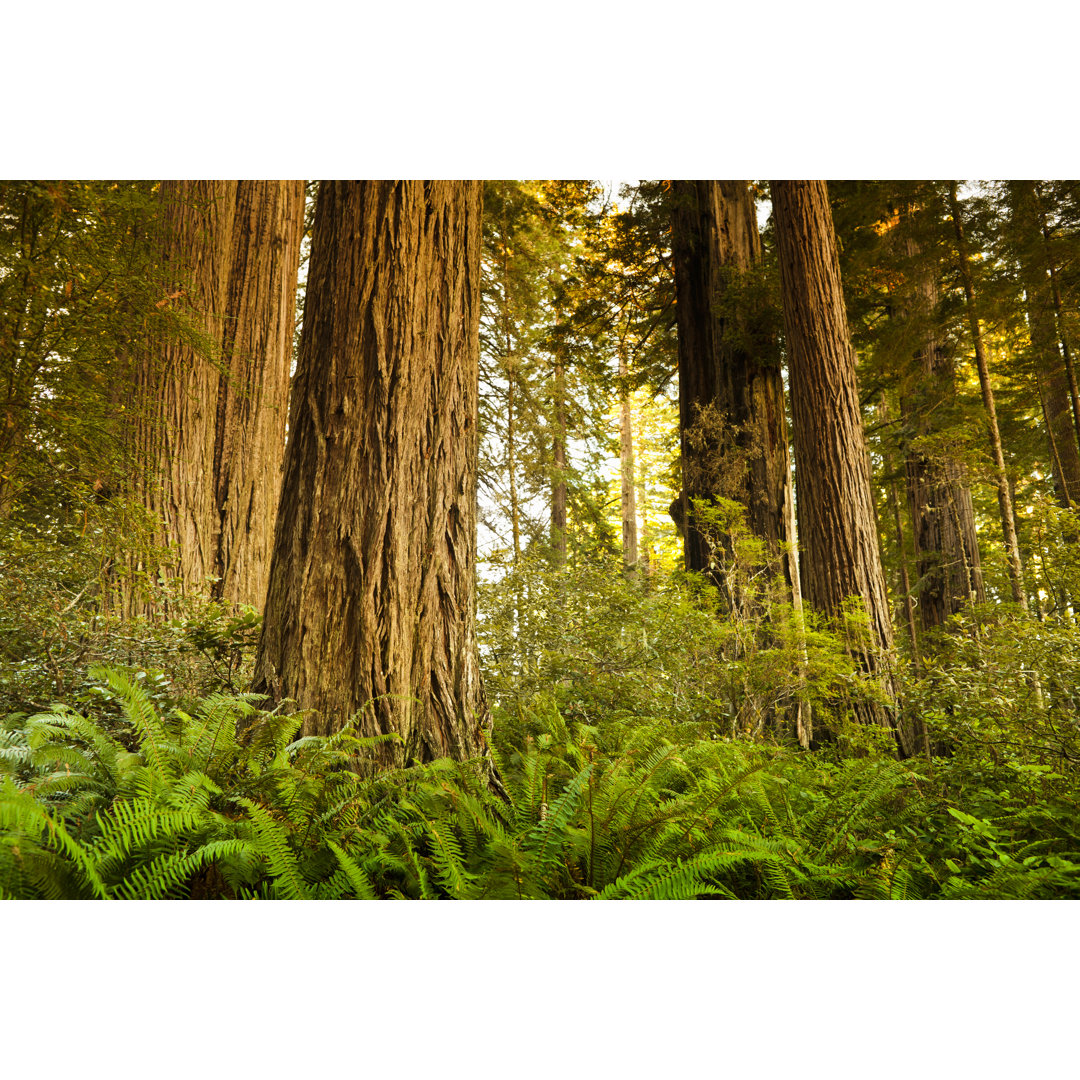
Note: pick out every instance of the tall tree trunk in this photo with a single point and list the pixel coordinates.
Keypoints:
(729, 365)
(558, 458)
(901, 548)
(176, 385)
(837, 527)
(942, 513)
(1063, 334)
(1051, 375)
(253, 394)
(628, 489)
(371, 605)
(646, 525)
(509, 362)
(209, 409)
(24, 318)
(1005, 503)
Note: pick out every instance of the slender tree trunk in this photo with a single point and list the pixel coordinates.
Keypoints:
(628, 490)
(558, 457)
(901, 548)
(1005, 503)
(511, 466)
(1063, 335)
(209, 408)
(728, 364)
(509, 360)
(371, 606)
(1051, 375)
(646, 525)
(942, 513)
(23, 322)
(837, 529)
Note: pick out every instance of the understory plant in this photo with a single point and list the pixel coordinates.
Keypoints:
(141, 801)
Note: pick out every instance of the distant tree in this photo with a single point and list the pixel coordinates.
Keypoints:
(1005, 501)
(1051, 368)
(898, 274)
(370, 612)
(731, 392)
(77, 289)
(942, 514)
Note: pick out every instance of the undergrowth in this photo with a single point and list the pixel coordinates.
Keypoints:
(138, 801)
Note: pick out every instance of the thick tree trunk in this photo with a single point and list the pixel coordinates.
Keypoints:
(628, 489)
(253, 394)
(209, 408)
(371, 606)
(1005, 502)
(729, 366)
(837, 527)
(176, 384)
(942, 513)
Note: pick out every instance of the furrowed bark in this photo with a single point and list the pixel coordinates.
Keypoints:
(253, 393)
(727, 361)
(371, 606)
(209, 408)
(176, 382)
(837, 526)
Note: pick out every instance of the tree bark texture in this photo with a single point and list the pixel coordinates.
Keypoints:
(209, 408)
(253, 394)
(1005, 501)
(942, 513)
(837, 526)
(727, 362)
(176, 382)
(371, 606)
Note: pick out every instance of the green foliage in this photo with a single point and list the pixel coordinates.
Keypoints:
(172, 805)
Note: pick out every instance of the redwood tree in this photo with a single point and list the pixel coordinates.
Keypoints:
(729, 366)
(370, 610)
(1051, 375)
(209, 406)
(837, 527)
(942, 512)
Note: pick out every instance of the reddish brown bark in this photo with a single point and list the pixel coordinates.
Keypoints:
(728, 363)
(837, 525)
(209, 407)
(371, 606)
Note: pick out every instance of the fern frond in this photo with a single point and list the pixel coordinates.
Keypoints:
(360, 882)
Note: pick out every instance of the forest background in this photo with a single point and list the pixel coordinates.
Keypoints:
(980, 976)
